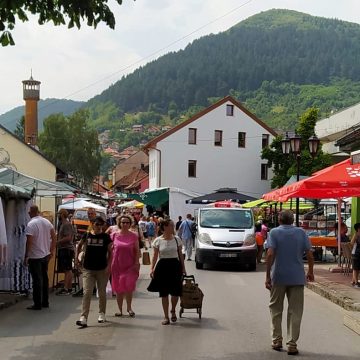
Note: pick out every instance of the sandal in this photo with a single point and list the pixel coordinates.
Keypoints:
(173, 316)
(166, 321)
(131, 313)
(119, 314)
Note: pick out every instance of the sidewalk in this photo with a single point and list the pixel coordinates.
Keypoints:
(7, 299)
(336, 287)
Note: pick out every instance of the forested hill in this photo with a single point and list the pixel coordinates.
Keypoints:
(277, 45)
(46, 107)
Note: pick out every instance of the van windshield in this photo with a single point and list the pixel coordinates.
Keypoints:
(225, 218)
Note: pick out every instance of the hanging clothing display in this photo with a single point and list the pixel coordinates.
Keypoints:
(3, 237)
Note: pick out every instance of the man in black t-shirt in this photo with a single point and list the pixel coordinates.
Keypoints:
(177, 225)
(96, 249)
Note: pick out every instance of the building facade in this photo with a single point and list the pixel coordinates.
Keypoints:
(219, 147)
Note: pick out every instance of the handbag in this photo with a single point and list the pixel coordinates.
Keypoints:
(146, 258)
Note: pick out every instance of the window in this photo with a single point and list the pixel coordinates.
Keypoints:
(241, 139)
(230, 110)
(192, 168)
(218, 138)
(264, 171)
(265, 141)
(192, 136)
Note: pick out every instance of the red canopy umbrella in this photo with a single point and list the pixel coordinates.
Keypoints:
(336, 181)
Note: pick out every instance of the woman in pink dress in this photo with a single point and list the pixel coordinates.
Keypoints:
(125, 263)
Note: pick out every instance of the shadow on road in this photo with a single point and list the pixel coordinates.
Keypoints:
(62, 350)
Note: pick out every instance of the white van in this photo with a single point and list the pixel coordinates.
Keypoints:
(225, 235)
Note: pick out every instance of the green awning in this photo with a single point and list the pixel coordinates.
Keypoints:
(154, 197)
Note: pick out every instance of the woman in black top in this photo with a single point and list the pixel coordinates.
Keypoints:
(96, 249)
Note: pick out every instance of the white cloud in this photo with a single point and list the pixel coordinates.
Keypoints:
(84, 63)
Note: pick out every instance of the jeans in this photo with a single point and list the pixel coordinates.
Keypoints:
(188, 244)
(38, 269)
(295, 297)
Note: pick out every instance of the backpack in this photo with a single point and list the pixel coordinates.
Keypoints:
(193, 229)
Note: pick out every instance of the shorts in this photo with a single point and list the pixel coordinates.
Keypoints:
(65, 260)
(145, 234)
(356, 262)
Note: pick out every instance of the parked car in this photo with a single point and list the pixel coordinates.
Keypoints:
(225, 235)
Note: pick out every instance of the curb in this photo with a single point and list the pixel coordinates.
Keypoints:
(351, 316)
(334, 296)
(352, 321)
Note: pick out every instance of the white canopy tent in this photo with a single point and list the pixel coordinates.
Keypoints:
(81, 203)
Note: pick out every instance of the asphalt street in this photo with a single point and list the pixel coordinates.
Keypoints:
(235, 325)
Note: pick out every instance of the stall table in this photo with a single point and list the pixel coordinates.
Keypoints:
(318, 242)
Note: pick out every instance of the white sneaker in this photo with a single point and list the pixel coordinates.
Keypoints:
(82, 322)
(101, 318)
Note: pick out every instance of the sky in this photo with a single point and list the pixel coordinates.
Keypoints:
(79, 64)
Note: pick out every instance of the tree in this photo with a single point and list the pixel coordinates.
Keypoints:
(284, 166)
(59, 12)
(72, 144)
(20, 128)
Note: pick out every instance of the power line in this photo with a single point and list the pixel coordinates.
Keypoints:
(126, 67)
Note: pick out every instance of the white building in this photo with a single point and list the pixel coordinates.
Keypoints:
(335, 127)
(218, 147)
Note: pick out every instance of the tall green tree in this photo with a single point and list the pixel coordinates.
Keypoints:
(60, 12)
(72, 144)
(284, 166)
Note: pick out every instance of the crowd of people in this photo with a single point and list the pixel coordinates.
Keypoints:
(112, 254)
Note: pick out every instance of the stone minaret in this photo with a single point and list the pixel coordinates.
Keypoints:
(31, 90)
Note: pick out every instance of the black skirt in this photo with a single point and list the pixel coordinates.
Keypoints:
(167, 279)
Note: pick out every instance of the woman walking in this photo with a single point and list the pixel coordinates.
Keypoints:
(96, 249)
(166, 274)
(125, 264)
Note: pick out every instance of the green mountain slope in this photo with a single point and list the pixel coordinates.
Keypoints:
(45, 108)
(277, 45)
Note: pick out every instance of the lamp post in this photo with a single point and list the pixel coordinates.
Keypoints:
(293, 145)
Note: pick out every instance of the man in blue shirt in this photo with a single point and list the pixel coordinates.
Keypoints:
(285, 275)
(186, 235)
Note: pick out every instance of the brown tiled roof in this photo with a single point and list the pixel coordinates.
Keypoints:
(164, 135)
(137, 182)
(131, 178)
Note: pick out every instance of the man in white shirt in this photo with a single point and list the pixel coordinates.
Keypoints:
(40, 247)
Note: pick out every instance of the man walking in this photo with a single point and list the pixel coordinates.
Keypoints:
(65, 251)
(285, 275)
(40, 247)
(186, 236)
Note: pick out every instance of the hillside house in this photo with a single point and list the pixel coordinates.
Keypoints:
(138, 128)
(218, 147)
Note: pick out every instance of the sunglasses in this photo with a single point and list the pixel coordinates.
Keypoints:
(97, 224)
(125, 222)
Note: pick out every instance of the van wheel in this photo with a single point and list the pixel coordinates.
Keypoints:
(252, 266)
(199, 265)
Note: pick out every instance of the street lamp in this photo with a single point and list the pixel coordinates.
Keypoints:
(293, 145)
